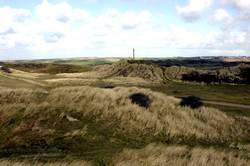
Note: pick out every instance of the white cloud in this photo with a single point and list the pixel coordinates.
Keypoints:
(194, 9)
(62, 29)
(241, 4)
(12, 20)
(235, 26)
(221, 15)
(10, 16)
(61, 12)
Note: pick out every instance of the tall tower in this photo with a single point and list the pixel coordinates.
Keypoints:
(133, 53)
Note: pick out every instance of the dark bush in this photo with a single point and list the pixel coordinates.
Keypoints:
(245, 74)
(108, 86)
(5, 69)
(191, 101)
(192, 76)
(140, 99)
(207, 77)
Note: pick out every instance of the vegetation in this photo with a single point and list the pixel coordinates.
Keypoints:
(239, 74)
(213, 92)
(130, 68)
(150, 71)
(49, 68)
(39, 163)
(205, 64)
(119, 114)
(83, 62)
(60, 120)
(159, 155)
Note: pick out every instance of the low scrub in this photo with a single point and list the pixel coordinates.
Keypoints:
(239, 74)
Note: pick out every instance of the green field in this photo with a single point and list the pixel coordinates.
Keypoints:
(91, 62)
(218, 92)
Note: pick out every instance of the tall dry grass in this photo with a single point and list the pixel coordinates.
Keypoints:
(25, 96)
(97, 120)
(37, 163)
(162, 155)
(126, 68)
(164, 116)
(164, 119)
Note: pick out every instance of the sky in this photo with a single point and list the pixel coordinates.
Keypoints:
(42, 29)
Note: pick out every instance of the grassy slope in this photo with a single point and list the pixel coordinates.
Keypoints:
(30, 117)
(97, 124)
(90, 62)
(232, 110)
(219, 92)
(13, 83)
(215, 92)
(162, 155)
(50, 68)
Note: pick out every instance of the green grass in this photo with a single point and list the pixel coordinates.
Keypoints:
(231, 110)
(14, 83)
(239, 94)
(50, 68)
(89, 62)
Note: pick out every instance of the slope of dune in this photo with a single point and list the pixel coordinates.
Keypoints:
(41, 121)
(131, 68)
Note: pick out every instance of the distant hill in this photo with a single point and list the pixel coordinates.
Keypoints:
(134, 68)
(50, 68)
(153, 72)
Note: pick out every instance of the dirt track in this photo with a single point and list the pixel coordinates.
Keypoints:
(227, 104)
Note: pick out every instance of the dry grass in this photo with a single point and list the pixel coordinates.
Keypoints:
(127, 81)
(70, 81)
(24, 77)
(76, 80)
(27, 75)
(176, 72)
(164, 116)
(101, 122)
(25, 96)
(164, 119)
(126, 68)
(97, 123)
(162, 155)
(36, 163)
(84, 75)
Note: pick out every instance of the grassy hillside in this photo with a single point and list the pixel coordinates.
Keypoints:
(96, 124)
(161, 155)
(6, 162)
(131, 68)
(87, 62)
(150, 71)
(50, 68)
(89, 118)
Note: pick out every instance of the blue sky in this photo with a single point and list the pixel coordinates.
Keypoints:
(37, 29)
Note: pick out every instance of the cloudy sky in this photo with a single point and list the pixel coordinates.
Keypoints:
(31, 29)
